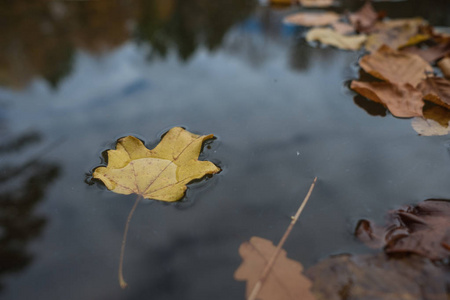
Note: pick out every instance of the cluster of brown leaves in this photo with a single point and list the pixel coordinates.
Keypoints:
(401, 56)
(413, 238)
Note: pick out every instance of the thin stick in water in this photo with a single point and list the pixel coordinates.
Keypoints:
(270, 263)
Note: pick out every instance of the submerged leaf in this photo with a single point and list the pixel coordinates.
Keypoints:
(423, 229)
(312, 19)
(370, 277)
(395, 67)
(161, 173)
(284, 282)
(329, 36)
(402, 100)
(429, 127)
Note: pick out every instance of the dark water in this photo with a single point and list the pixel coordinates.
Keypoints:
(77, 75)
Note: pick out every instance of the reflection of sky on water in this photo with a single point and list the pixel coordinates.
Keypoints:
(282, 115)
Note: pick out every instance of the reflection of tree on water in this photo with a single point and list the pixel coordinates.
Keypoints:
(186, 25)
(22, 187)
(39, 38)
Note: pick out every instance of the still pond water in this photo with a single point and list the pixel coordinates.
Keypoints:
(75, 76)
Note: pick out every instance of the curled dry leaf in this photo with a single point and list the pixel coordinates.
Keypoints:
(444, 65)
(284, 282)
(378, 277)
(395, 37)
(423, 229)
(395, 67)
(430, 54)
(402, 100)
(312, 19)
(316, 3)
(161, 173)
(436, 90)
(330, 37)
(365, 18)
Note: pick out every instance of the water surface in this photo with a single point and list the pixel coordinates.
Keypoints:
(76, 76)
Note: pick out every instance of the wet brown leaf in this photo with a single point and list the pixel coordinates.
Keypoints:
(423, 229)
(430, 54)
(365, 18)
(402, 100)
(316, 3)
(330, 37)
(312, 19)
(395, 67)
(444, 65)
(436, 90)
(284, 282)
(378, 277)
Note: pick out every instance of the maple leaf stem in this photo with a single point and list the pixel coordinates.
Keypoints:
(122, 282)
(270, 263)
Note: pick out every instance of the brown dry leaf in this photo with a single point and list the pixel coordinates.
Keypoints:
(284, 282)
(343, 28)
(423, 229)
(444, 65)
(430, 54)
(316, 3)
(429, 127)
(436, 90)
(312, 19)
(395, 67)
(330, 37)
(365, 18)
(402, 100)
(378, 277)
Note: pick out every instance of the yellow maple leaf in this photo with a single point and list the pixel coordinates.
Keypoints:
(161, 173)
